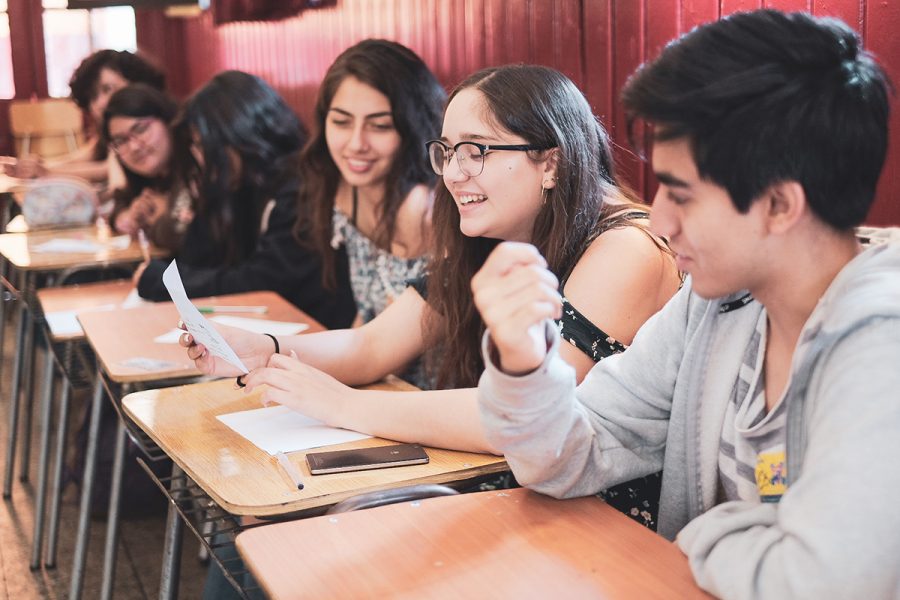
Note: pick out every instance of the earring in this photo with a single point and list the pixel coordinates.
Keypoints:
(544, 191)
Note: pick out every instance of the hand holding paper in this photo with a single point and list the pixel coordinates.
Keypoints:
(202, 330)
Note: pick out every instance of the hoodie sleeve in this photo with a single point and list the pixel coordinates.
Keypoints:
(566, 441)
(834, 533)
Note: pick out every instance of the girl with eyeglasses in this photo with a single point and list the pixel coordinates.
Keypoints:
(235, 150)
(521, 158)
(136, 127)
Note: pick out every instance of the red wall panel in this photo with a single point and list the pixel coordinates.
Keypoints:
(597, 43)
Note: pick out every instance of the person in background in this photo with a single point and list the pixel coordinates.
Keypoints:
(236, 148)
(93, 83)
(365, 183)
(137, 127)
(767, 388)
(522, 158)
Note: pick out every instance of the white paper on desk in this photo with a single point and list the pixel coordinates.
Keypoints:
(201, 329)
(279, 429)
(133, 300)
(64, 322)
(261, 325)
(68, 246)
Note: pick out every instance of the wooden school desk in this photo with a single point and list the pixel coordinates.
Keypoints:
(31, 269)
(127, 357)
(244, 480)
(66, 345)
(509, 543)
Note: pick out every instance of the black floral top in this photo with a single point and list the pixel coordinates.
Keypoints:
(639, 498)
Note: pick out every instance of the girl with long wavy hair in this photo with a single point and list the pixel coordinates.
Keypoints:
(522, 158)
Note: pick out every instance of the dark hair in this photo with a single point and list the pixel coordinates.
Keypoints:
(240, 113)
(416, 100)
(544, 107)
(138, 101)
(765, 97)
(133, 67)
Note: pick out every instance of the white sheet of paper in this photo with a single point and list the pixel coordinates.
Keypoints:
(76, 246)
(196, 324)
(169, 337)
(278, 428)
(261, 325)
(68, 246)
(133, 300)
(64, 322)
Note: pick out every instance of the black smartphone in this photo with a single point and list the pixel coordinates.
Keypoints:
(379, 457)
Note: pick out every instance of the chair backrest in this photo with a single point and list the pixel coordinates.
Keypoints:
(49, 127)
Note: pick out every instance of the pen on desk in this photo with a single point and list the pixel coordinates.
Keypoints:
(290, 469)
(237, 309)
(145, 245)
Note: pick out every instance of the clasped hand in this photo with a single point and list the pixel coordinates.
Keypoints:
(515, 294)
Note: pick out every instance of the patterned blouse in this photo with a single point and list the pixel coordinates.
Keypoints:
(377, 278)
(376, 275)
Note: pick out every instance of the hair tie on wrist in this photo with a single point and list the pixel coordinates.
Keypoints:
(277, 345)
(238, 382)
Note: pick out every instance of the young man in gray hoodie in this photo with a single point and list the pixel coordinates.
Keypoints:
(768, 389)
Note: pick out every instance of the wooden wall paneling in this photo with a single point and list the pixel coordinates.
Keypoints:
(849, 11)
(789, 5)
(880, 30)
(629, 51)
(727, 7)
(696, 12)
(473, 40)
(598, 59)
(568, 36)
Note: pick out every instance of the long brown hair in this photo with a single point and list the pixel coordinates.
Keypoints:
(416, 99)
(546, 109)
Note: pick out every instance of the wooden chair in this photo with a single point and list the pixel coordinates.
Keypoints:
(48, 127)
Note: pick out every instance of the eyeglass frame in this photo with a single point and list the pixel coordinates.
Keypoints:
(135, 131)
(483, 148)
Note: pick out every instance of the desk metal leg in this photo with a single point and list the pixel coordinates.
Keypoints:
(44, 460)
(58, 468)
(112, 521)
(87, 485)
(14, 404)
(171, 565)
(30, 349)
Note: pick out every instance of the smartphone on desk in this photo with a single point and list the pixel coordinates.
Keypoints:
(360, 459)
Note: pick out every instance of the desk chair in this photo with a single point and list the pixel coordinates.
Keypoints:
(48, 127)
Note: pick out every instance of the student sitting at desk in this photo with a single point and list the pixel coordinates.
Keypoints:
(522, 158)
(365, 183)
(95, 80)
(236, 147)
(767, 388)
(137, 127)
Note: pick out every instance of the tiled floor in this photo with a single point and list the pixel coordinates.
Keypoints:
(140, 540)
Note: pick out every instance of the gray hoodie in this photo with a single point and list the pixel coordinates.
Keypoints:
(660, 405)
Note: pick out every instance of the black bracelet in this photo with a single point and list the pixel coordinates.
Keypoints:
(238, 381)
(277, 345)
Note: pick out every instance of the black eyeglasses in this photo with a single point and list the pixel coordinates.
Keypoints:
(469, 155)
(137, 130)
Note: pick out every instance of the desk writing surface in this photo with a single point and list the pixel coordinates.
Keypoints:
(16, 248)
(510, 544)
(245, 480)
(120, 335)
(83, 297)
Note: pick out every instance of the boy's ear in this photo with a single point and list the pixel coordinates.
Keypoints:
(785, 205)
(551, 161)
